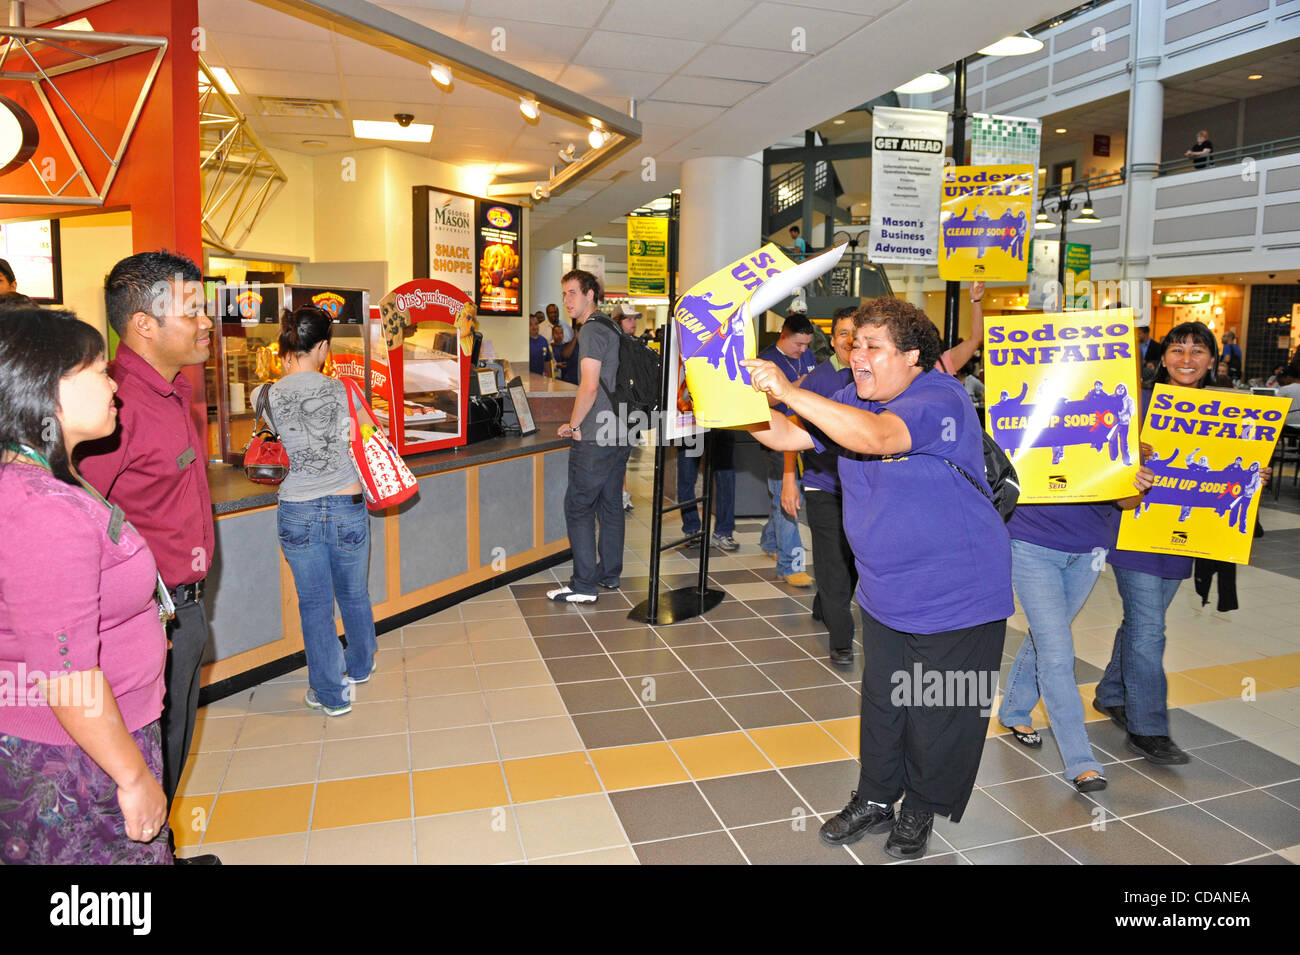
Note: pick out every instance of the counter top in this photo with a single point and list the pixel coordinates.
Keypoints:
(232, 491)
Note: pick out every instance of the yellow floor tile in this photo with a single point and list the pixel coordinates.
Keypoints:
(481, 837)
(631, 767)
(846, 732)
(189, 819)
(458, 788)
(724, 754)
(254, 813)
(550, 777)
(356, 802)
(1224, 680)
(385, 843)
(1184, 691)
(1282, 672)
(797, 745)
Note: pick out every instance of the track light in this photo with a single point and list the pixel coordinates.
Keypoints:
(597, 137)
(440, 73)
(568, 154)
(530, 108)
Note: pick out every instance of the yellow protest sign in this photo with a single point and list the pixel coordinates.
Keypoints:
(1208, 449)
(1061, 392)
(985, 215)
(647, 255)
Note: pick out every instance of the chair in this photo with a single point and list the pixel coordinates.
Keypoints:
(1287, 452)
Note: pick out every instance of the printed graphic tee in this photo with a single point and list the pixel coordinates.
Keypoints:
(311, 414)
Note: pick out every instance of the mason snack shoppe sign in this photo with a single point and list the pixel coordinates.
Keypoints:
(472, 244)
(498, 244)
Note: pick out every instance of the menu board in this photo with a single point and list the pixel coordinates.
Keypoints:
(498, 244)
(32, 251)
(451, 239)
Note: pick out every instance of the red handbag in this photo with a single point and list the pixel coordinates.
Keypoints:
(265, 459)
(386, 481)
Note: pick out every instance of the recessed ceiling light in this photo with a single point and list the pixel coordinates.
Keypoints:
(1255, 76)
(315, 143)
(440, 73)
(838, 122)
(925, 83)
(224, 80)
(371, 129)
(1061, 129)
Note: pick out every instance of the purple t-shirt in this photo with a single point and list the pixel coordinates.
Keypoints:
(821, 468)
(931, 550)
(1070, 528)
(792, 368)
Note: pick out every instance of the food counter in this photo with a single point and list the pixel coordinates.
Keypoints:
(454, 539)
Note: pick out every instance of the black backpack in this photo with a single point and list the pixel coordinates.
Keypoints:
(1001, 475)
(637, 380)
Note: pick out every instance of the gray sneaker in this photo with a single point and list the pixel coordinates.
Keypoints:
(725, 542)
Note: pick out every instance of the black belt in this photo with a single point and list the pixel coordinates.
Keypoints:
(186, 593)
(358, 499)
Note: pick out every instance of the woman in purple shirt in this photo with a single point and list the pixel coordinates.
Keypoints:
(81, 641)
(934, 569)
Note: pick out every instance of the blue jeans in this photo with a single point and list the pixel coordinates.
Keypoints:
(1052, 586)
(1135, 676)
(781, 534)
(595, 493)
(327, 545)
(724, 484)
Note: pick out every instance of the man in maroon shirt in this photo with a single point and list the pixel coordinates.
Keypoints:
(155, 466)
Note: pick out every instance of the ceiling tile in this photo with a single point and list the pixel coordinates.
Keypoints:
(384, 109)
(631, 84)
(743, 63)
(444, 16)
(563, 12)
(258, 51)
(365, 60)
(253, 19)
(284, 83)
(871, 8)
(705, 92)
(653, 112)
(511, 39)
(680, 19)
(772, 26)
(384, 87)
(305, 127)
(628, 52)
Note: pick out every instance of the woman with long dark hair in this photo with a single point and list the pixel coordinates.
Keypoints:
(322, 520)
(81, 639)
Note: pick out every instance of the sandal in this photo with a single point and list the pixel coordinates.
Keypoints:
(1031, 739)
(1090, 784)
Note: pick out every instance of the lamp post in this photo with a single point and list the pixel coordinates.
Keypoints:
(1063, 204)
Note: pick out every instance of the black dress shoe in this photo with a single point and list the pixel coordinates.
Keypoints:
(1116, 714)
(910, 836)
(1160, 750)
(855, 820)
(842, 659)
(208, 859)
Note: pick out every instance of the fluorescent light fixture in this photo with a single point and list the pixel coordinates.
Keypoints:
(440, 73)
(838, 122)
(530, 108)
(587, 240)
(1015, 45)
(1255, 76)
(662, 204)
(371, 129)
(1061, 129)
(597, 137)
(925, 83)
(224, 80)
(79, 24)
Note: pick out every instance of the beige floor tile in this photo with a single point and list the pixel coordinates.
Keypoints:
(277, 697)
(753, 591)
(480, 837)
(622, 855)
(271, 850)
(272, 766)
(524, 703)
(440, 712)
(510, 628)
(294, 676)
(559, 826)
(505, 650)
(213, 733)
(458, 746)
(450, 615)
(537, 737)
(381, 686)
(1285, 744)
(432, 634)
(382, 843)
(203, 772)
(231, 705)
(447, 655)
(389, 660)
(367, 756)
(441, 682)
(369, 719)
(501, 676)
(490, 610)
(277, 729)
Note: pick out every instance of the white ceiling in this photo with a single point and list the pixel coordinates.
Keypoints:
(710, 77)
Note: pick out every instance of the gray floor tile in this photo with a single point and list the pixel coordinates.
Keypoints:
(798, 624)
(611, 620)
(724, 577)
(1190, 731)
(1130, 792)
(1036, 850)
(663, 812)
(1195, 836)
(1260, 816)
(828, 702)
(779, 843)
(1004, 762)
(733, 681)
(983, 822)
(567, 645)
(750, 628)
(826, 787)
(597, 696)
(646, 662)
(1287, 792)
(695, 718)
(799, 674)
(547, 626)
(615, 728)
(1116, 844)
(770, 650)
(1195, 781)
(688, 634)
(581, 669)
(730, 609)
(619, 641)
(948, 858)
(1252, 763)
(714, 848)
(1272, 859)
(763, 709)
(710, 656)
(1046, 803)
(870, 850)
(1049, 754)
(770, 607)
(674, 687)
(755, 798)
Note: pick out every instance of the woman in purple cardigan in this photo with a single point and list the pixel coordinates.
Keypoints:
(82, 648)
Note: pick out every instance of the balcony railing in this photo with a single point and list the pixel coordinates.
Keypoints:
(1230, 157)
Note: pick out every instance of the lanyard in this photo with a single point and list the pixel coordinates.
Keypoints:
(116, 520)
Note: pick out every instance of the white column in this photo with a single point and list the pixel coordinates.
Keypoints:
(914, 285)
(545, 269)
(1146, 122)
(722, 214)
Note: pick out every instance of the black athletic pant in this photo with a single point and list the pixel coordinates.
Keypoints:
(833, 567)
(188, 633)
(918, 742)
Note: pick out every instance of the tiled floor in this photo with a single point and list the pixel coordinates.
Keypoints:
(510, 729)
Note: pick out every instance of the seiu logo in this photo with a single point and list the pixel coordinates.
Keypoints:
(1057, 482)
(1179, 537)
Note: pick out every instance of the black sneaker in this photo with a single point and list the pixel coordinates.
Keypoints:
(910, 836)
(1160, 750)
(1116, 713)
(842, 659)
(855, 820)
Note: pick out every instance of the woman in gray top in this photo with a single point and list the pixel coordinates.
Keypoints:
(323, 523)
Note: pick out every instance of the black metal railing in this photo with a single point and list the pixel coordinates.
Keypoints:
(1230, 157)
(787, 189)
(1115, 178)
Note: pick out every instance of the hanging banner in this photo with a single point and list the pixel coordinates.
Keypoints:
(984, 223)
(1007, 141)
(1078, 275)
(498, 238)
(716, 330)
(647, 255)
(595, 264)
(1208, 449)
(906, 171)
(1067, 411)
(1044, 259)
(451, 239)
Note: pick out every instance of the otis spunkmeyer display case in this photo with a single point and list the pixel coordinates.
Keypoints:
(247, 325)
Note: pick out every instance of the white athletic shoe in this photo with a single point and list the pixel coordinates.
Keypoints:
(564, 595)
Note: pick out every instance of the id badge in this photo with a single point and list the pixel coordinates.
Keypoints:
(116, 518)
(166, 606)
(185, 459)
